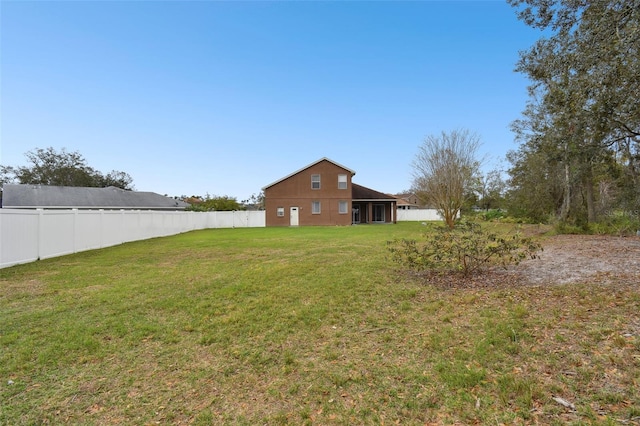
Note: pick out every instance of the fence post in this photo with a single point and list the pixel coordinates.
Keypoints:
(40, 236)
(75, 230)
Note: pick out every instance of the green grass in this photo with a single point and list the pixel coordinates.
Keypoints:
(303, 326)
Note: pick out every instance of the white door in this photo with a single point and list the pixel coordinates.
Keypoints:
(293, 216)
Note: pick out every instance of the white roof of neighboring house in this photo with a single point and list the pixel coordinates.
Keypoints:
(67, 197)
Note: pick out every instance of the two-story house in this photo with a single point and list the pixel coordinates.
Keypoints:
(323, 193)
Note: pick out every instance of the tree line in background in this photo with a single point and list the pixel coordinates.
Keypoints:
(578, 161)
(223, 203)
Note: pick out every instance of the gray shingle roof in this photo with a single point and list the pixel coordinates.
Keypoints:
(51, 197)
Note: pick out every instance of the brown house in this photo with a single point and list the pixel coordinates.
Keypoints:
(407, 201)
(322, 193)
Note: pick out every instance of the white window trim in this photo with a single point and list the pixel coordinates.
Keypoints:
(313, 203)
(280, 211)
(346, 181)
(318, 181)
(346, 207)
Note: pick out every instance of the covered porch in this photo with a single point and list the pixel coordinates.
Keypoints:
(370, 206)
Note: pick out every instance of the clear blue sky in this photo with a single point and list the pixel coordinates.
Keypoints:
(218, 97)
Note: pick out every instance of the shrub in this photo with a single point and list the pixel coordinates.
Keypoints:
(466, 249)
(490, 215)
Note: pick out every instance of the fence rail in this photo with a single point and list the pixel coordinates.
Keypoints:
(29, 235)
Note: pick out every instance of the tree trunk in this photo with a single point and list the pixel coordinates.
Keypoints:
(588, 187)
(566, 196)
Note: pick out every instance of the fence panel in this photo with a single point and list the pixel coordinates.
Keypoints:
(57, 234)
(88, 236)
(18, 237)
(418, 215)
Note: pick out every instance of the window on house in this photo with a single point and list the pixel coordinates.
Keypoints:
(342, 181)
(280, 211)
(315, 181)
(315, 207)
(343, 207)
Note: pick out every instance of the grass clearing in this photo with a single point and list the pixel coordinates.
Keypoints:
(304, 326)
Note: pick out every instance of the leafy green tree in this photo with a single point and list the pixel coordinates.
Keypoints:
(489, 189)
(535, 185)
(584, 108)
(216, 203)
(444, 171)
(61, 168)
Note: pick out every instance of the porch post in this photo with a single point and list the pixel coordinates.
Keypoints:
(393, 212)
(370, 211)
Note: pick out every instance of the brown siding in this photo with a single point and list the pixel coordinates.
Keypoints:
(296, 191)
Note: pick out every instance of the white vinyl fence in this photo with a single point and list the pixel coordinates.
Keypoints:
(417, 215)
(29, 235)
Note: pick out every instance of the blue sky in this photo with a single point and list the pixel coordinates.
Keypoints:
(223, 97)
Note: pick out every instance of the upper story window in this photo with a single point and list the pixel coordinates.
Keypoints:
(342, 181)
(315, 181)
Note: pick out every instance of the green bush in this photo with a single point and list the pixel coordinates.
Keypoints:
(617, 223)
(490, 215)
(466, 249)
(568, 228)
(613, 223)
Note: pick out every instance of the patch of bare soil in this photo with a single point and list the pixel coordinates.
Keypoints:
(597, 259)
(584, 258)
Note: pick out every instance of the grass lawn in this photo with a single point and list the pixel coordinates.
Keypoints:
(312, 325)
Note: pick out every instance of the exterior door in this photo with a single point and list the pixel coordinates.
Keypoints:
(378, 212)
(355, 212)
(293, 216)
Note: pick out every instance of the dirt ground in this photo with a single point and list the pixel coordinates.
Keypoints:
(596, 259)
(584, 258)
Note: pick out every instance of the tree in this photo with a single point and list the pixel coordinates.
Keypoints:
(444, 169)
(585, 91)
(216, 203)
(62, 168)
(490, 188)
(255, 202)
(535, 188)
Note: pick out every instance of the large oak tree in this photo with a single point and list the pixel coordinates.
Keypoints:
(61, 168)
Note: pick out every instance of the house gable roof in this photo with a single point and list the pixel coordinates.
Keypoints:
(362, 193)
(44, 196)
(403, 199)
(308, 166)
